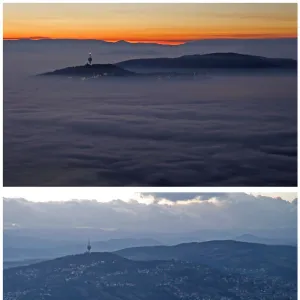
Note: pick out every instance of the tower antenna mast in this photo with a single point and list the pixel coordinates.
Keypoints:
(89, 247)
(90, 59)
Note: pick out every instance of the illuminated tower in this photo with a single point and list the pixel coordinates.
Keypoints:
(89, 247)
(90, 59)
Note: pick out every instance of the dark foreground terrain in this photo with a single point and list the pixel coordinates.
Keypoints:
(112, 277)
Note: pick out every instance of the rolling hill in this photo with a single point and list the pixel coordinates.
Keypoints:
(224, 254)
(212, 61)
(52, 249)
(91, 70)
(111, 277)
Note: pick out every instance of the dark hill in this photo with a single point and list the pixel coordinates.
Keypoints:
(213, 60)
(92, 70)
(107, 276)
(223, 254)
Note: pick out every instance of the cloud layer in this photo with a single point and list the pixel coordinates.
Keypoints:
(162, 213)
(216, 130)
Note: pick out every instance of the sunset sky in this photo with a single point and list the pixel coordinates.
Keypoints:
(165, 23)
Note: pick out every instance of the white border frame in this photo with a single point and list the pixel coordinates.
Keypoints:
(146, 189)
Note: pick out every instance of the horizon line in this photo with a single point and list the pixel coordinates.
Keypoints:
(158, 42)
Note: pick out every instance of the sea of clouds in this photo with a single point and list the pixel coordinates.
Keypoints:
(215, 130)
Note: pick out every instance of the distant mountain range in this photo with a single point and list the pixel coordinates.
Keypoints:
(250, 238)
(26, 244)
(218, 42)
(225, 61)
(39, 40)
(42, 249)
(51, 249)
(223, 254)
(73, 52)
(212, 270)
(212, 61)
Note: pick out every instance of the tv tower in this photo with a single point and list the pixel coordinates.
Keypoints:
(89, 247)
(90, 59)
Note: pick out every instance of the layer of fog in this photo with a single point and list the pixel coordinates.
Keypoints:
(219, 130)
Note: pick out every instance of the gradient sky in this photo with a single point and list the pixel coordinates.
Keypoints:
(166, 23)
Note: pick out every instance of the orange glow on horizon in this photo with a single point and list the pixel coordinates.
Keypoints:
(149, 23)
(154, 41)
(84, 39)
